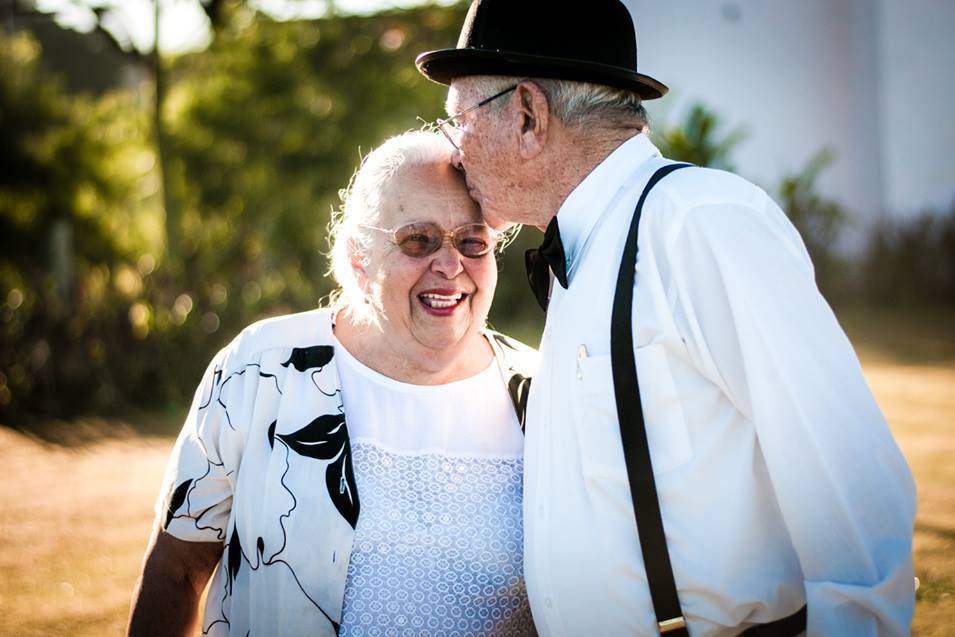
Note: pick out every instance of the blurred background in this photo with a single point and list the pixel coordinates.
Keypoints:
(155, 199)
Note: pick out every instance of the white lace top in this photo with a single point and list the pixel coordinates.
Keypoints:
(438, 545)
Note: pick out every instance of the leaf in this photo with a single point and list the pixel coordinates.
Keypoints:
(272, 434)
(178, 497)
(326, 438)
(321, 439)
(304, 358)
(235, 555)
(519, 387)
(340, 480)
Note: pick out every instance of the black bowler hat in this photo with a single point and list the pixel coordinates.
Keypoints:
(590, 41)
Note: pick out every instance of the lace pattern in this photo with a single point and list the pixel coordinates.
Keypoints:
(438, 548)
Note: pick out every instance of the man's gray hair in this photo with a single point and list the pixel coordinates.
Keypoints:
(577, 104)
(363, 201)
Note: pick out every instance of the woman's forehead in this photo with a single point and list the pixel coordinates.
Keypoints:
(427, 195)
(448, 212)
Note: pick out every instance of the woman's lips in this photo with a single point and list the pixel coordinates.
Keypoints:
(441, 302)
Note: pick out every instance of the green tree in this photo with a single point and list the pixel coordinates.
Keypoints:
(819, 221)
(76, 208)
(910, 261)
(696, 139)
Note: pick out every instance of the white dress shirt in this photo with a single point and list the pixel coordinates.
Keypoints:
(778, 479)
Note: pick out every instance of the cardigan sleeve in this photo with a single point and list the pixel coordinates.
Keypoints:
(196, 498)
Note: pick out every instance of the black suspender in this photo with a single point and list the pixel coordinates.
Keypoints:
(636, 451)
(633, 434)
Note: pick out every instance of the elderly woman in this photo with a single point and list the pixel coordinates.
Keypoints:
(357, 470)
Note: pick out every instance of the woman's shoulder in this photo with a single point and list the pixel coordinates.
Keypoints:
(289, 331)
(515, 355)
(518, 363)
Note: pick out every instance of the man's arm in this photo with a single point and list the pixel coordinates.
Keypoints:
(166, 598)
(746, 290)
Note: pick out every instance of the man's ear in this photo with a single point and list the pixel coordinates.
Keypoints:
(533, 117)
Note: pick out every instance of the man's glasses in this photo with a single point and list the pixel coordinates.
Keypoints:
(424, 238)
(452, 128)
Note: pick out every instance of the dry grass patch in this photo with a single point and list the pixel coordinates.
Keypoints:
(72, 534)
(919, 403)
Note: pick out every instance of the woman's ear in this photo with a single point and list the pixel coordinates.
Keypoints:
(358, 264)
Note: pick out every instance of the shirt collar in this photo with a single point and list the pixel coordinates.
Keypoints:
(581, 210)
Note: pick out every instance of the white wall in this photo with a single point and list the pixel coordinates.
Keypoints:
(917, 98)
(802, 76)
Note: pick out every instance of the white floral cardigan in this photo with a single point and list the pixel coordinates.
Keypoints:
(263, 464)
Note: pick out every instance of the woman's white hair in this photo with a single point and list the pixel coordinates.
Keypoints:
(577, 103)
(363, 203)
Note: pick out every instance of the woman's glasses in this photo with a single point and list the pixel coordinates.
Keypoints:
(424, 238)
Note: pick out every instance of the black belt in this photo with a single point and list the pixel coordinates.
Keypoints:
(636, 451)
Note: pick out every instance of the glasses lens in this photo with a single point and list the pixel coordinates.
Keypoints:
(419, 239)
(473, 240)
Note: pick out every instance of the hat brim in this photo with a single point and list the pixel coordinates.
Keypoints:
(445, 65)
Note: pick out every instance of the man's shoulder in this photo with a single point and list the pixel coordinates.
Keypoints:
(717, 207)
(697, 187)
(696, 194)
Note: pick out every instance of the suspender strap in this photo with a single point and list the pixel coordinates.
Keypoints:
(633, 434)
(636, 452)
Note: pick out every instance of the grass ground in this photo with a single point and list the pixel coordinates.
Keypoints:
(76, 498)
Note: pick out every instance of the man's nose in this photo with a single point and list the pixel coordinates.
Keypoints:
(457, 159)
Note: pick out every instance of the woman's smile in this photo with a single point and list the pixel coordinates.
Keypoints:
(441, 302)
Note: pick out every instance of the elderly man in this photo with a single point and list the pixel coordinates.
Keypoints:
(703, 455)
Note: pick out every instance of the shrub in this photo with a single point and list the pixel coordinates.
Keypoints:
(696, 140)
(820, 222)
(76, 175)
(910, 261)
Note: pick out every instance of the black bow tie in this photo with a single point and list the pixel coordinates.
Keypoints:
(541, 261)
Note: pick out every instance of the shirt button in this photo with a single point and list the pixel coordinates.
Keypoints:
(549, 603)
(540, 510)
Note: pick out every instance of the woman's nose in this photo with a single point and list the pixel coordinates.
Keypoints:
(447, 261)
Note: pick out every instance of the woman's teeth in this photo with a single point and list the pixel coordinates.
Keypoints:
(441, 301)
